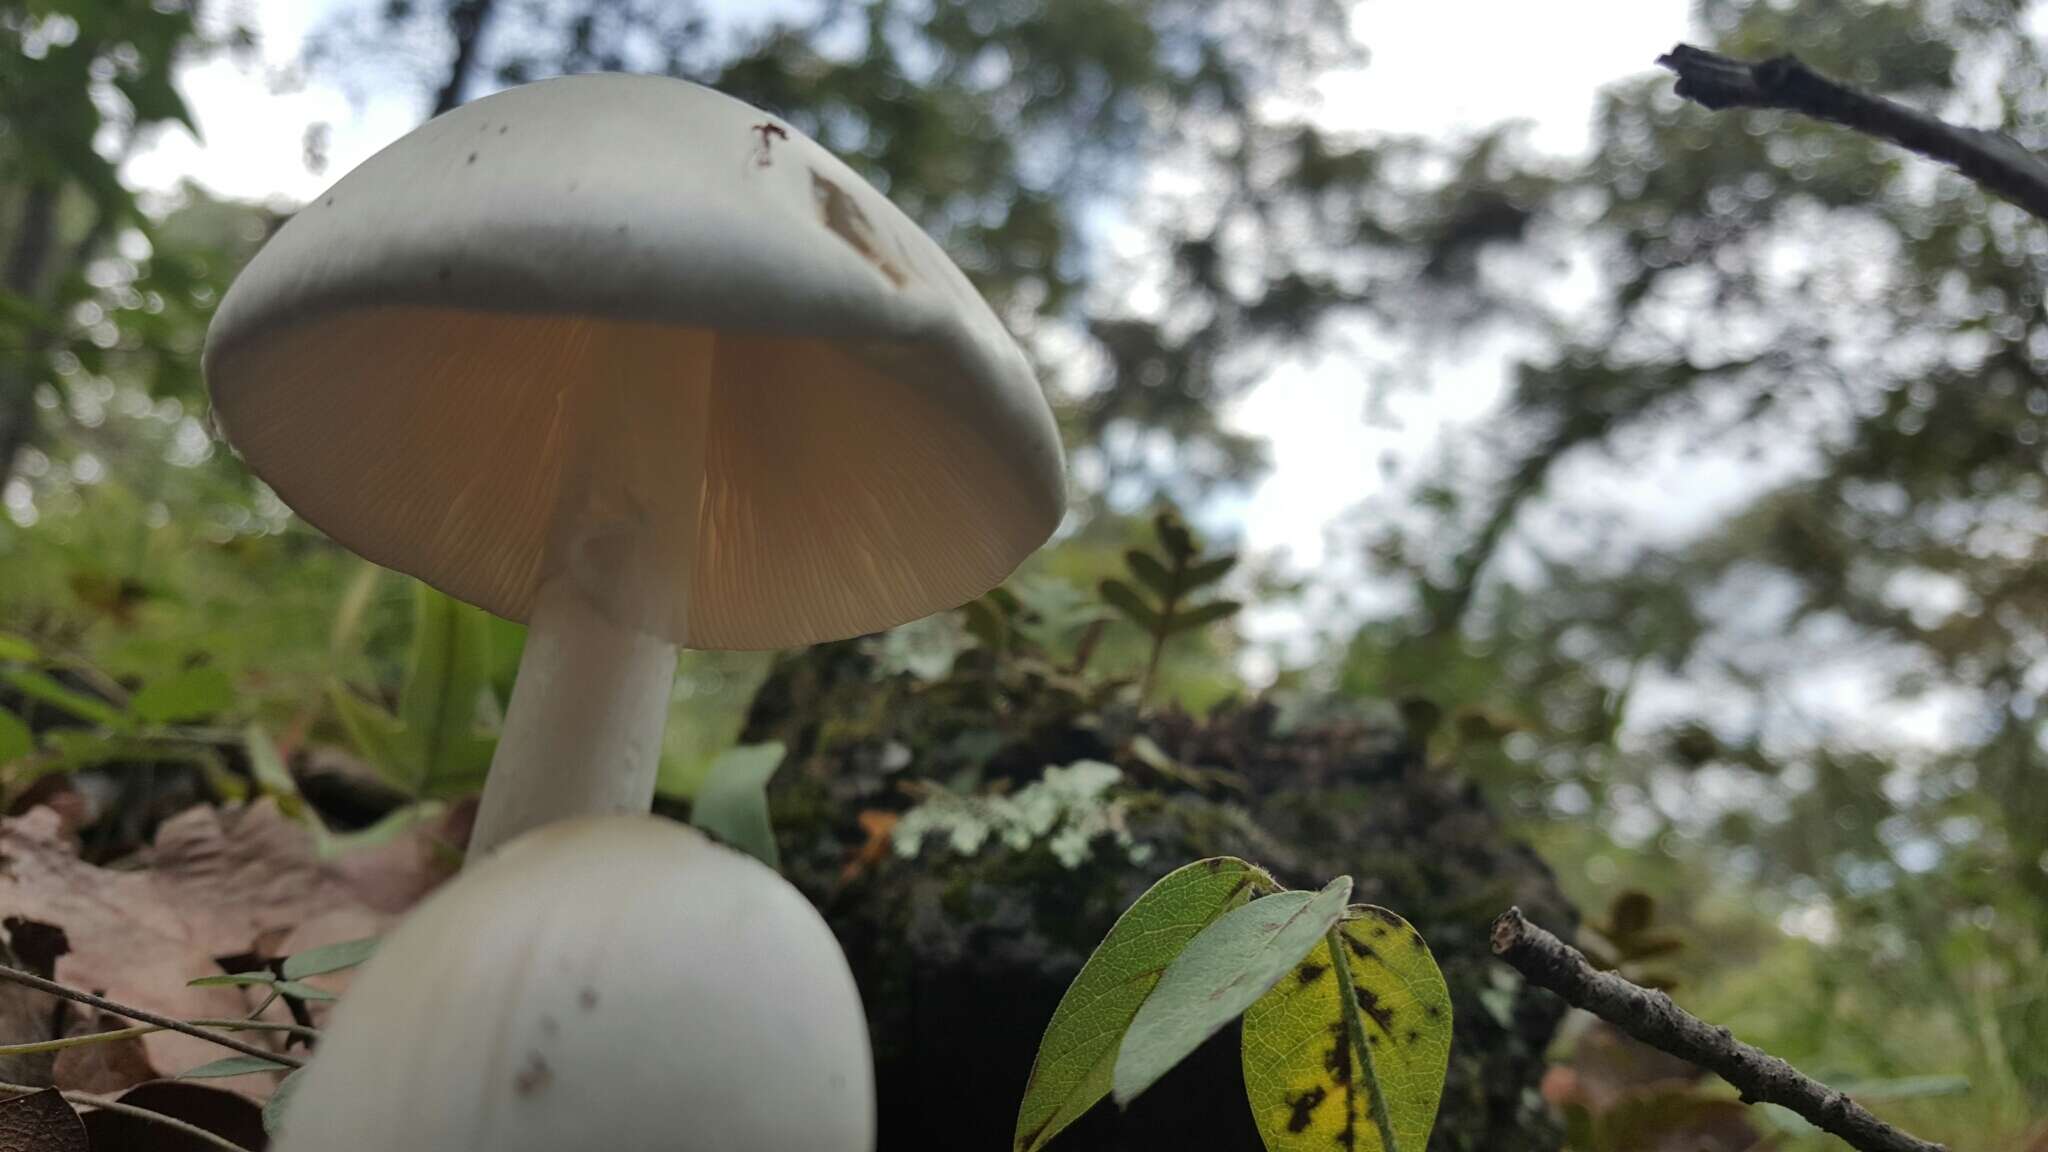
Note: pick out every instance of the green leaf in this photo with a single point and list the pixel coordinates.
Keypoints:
(192, 694)
(448, 666)
(732, 802)
(1377, 1015)
(272, 777)
(1078, 1053)
(986, 623)
(1904, 1087)
(17, 648)
(232, 1066)
(1152, 573)
(1223, 971)
(298, 991)
(1208, 572)
(331, 958)
(1174, 536)
(330, 845)
(227, 784)
(233, 979)
(1125, 599)
(41, 687)
(356, 599)
(1630, 913)
(78, 748)
(378, 737)
(1204, 615)
(16, 740)
(280, 1098)
(462, 767)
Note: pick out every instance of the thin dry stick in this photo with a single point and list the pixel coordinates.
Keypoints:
(1652, 1018)
(87, 1100)
(31, 980)
(1992, 159)
(83, 1039)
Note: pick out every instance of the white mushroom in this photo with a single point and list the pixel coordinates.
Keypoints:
(613, 983)
(640, 365)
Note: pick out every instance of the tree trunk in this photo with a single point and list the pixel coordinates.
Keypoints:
(27, 265)
(466, 20)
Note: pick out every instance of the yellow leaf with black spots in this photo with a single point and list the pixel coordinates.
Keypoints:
(1349, 1051)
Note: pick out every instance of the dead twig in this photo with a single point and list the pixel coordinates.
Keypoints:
(1994, 160)
(1653, 1018)
(87, 1038)
(31, 980)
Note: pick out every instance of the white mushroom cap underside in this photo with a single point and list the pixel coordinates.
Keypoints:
(616, 983)
(438, 361)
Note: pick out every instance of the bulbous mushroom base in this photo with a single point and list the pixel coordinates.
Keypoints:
(617, 983)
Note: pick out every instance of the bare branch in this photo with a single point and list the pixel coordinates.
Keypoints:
(85, 1039)
(17, 976)
(1652, 1018)
(1992, 159)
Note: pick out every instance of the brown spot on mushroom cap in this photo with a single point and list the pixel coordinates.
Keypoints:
(843, 217)
(533, 1076)
(587, 999)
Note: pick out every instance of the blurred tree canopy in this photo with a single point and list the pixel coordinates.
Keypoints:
(1850, 342)
(1844, 349)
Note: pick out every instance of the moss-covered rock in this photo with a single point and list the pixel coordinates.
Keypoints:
(962, 958)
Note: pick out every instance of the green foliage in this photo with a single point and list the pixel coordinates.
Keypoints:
(280, 1099)
(1219, 938)
(65, 715)
(183, 697)
(232, 1066)
(432, 746)
(732, 802)
(1078, 1054)
(328, 958)
(1174, 575)
(1224, 970)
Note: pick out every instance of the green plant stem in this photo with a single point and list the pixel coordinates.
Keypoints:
(63, 1042)
(31, 980)
(1151, 668)
(1354, 1030)
(267, 1002)
(88, 1100)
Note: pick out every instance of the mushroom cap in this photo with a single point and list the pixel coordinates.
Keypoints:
(615, 982)
(631, 313)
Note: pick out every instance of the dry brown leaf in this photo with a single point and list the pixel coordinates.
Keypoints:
(216, 883)
(40, 1122)
(879, 824)
(105, 1068)
(26, 1016)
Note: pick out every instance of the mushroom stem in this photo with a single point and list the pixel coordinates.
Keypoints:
(582, 734)
(583, 731)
